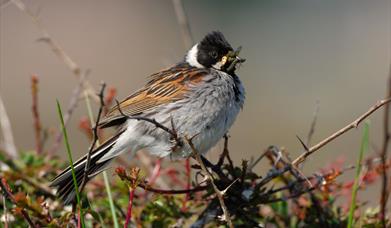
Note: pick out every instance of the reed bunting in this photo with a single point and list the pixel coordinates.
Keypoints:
(201, 96)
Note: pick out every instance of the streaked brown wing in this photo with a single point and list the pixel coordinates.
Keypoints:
(164, 87)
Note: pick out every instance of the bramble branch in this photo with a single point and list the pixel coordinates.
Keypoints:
(335, 135)
(219, 194)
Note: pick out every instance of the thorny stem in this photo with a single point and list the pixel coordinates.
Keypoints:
(219, 194)
(335, 135)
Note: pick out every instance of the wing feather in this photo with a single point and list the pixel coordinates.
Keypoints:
(164, 87)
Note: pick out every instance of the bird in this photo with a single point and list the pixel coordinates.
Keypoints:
(200, 96)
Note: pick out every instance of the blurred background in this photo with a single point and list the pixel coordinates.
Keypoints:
(298, 52)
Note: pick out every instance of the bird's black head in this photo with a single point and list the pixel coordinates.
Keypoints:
(213, 51)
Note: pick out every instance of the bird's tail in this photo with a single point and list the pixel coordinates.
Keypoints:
(64, 181)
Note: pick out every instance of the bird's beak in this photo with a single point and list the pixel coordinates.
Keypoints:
(236, 54)
(240, 60)
(234, 59)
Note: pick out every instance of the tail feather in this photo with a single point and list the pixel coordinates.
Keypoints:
(64, 181)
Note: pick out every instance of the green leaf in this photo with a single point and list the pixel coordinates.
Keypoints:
(68, 147)
(363, 148)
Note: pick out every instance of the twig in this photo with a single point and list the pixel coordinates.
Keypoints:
(321, 181)
(130, 205)
(220, 194)
(71, 108)
(183, 22)
(293, 196)
(313, 123)
(172, 191)
(36, 119)
(6, 129)
(335, 135)
(56, 48)
(8, 194)
(95, 137)
(254, 163)
(274, 173)
(386, 139)
(105, 177)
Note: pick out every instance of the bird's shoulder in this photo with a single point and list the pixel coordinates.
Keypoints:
(165, 86)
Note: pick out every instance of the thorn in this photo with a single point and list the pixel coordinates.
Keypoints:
(229, 186)
(191, 138)
(302, 143)
(222, 218)
(278, 158)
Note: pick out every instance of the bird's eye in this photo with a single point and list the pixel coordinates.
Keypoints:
(213, 54)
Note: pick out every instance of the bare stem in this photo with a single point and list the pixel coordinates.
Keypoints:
(219, 194)
(36, 119)
(335, 135)
(95, 137)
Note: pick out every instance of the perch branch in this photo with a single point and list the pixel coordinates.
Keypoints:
(220, 194)
(335, 135)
